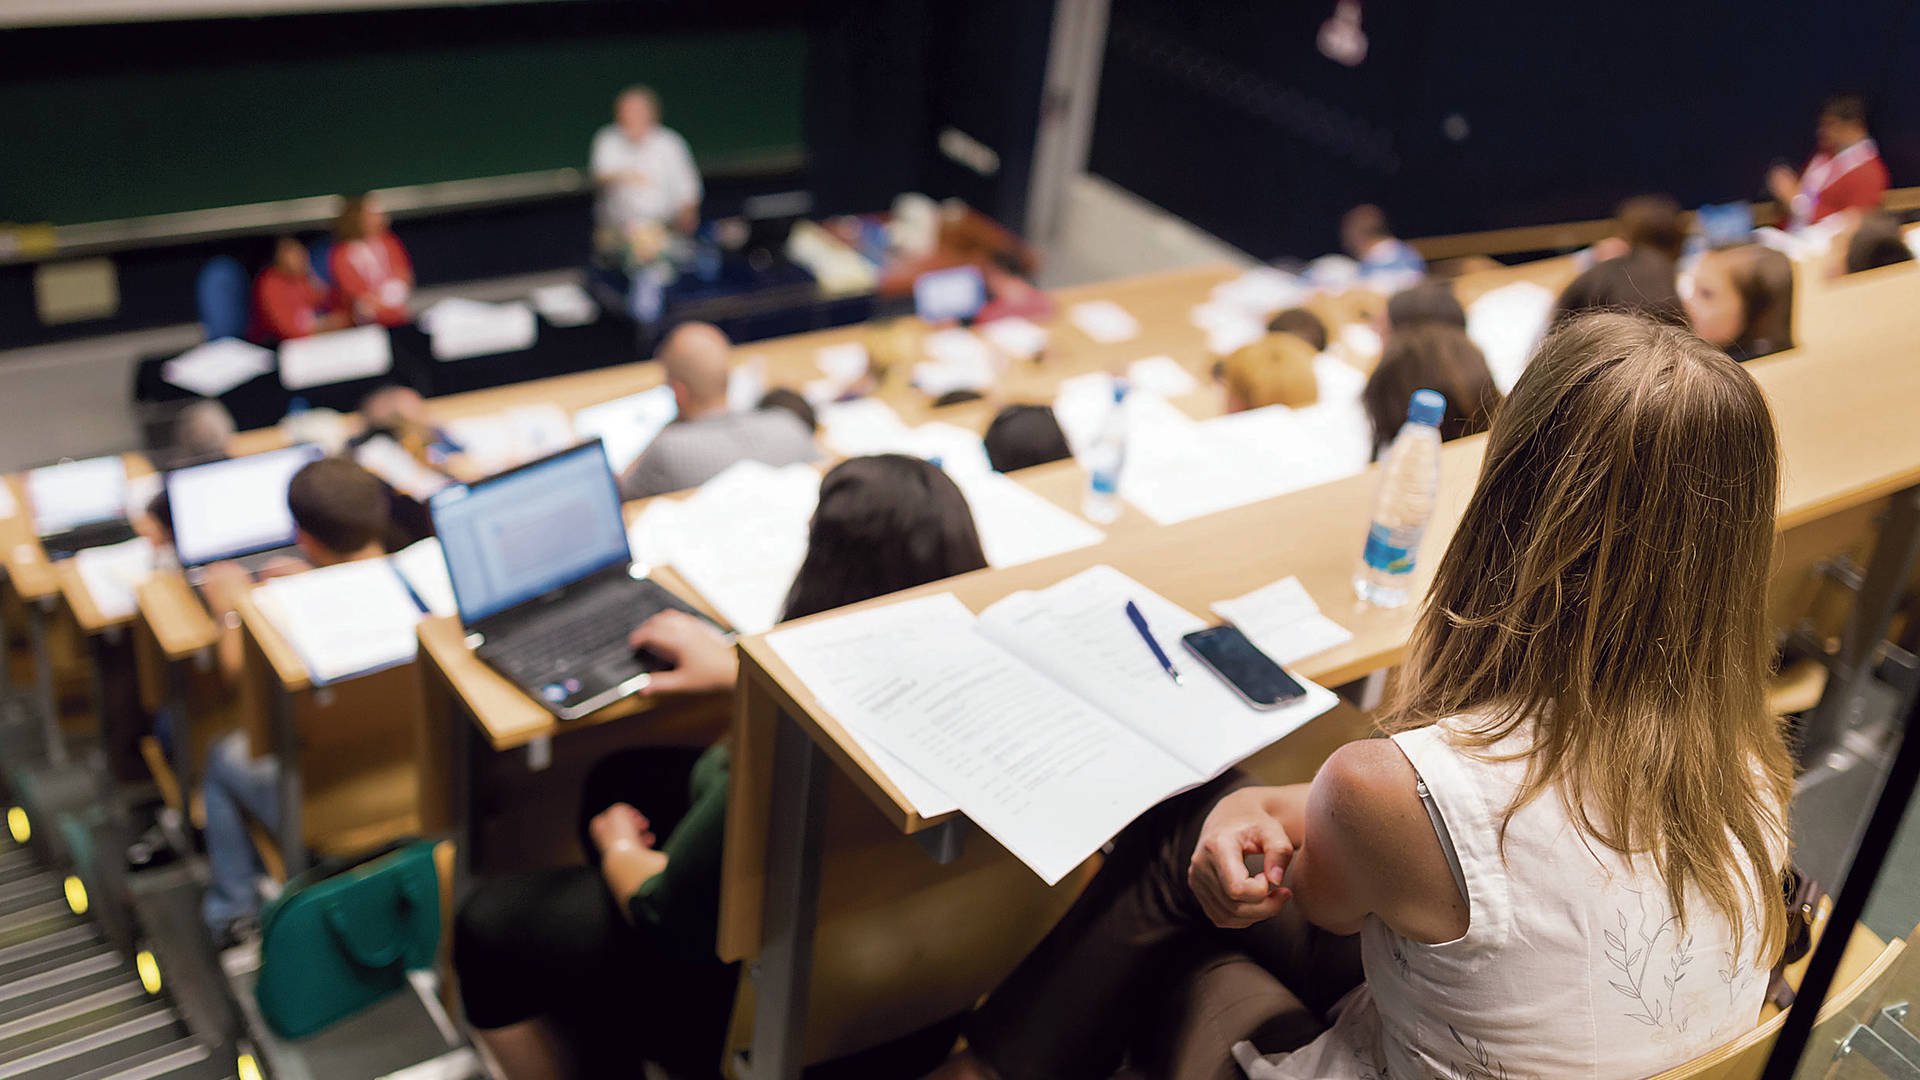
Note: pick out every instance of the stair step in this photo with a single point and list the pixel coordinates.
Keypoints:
(91, 1040)
(29, 951)
(179, 1059)
(62, 979)
(108, 1049)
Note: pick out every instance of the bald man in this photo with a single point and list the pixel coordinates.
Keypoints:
(708, 436)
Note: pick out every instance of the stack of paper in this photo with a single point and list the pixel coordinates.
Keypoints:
(1283, 621)
(76, 493)
(423, 566)
(1046, 719)
(1336, 379)
(516, 436)
(844, 365)
(1015, 336)
(388, 460)
(628, 425)
(1017, 526)
(1104, 321)
(957, 361)
(461, 328)
(345, 620)
(1261, 291)
(218, 366)
(1176, 471)
(1227, 328)
(1161, 375)
(870, 426)
(112, 573)
(565, 305)
(738, 540)
(337, 356)
(1300, 447)
(1507, 323)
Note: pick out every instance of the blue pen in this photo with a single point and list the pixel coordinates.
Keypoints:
(1140, 623)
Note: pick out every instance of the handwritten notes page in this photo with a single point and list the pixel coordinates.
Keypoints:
(1046, 719)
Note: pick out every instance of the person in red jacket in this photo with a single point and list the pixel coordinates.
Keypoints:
(372, 276)
(1845, 173)
(288, 300)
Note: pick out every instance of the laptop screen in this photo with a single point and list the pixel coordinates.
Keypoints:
(530, 531)
(226, 509)
(75, 493)
(940, 295)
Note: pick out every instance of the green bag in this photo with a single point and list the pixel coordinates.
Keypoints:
(344, 935)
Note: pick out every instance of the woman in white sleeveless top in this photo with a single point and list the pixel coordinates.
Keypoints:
(1564, 862)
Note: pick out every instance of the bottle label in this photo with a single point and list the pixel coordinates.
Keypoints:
(1105, 481)
(1390, 553)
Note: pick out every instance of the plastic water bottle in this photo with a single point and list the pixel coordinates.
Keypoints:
(1409, 486)
(1105, 457)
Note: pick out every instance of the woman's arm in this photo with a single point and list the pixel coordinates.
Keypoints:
(627, 854)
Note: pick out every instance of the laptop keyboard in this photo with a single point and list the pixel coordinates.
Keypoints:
(578, 636)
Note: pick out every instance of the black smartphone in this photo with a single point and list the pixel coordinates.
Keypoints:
(1251, 673)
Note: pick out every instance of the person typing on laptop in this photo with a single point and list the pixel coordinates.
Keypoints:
(708, 436)
(340, 514)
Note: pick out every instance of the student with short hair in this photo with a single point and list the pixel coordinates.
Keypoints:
(1435, 357)
(340, 515)
(1877, 241)
(1302, 324)
(289, 300)
(1022, 436)
(1430, 302)
(1641, 282)
(372, 275)
(619, 960)
(1276, 370)
(1742, 300)
(1489, 891)
(1648, 223)
(708, 435)
(794, 402)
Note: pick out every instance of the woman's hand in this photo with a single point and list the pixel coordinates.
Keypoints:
(620, 828)
(699, 659)
(627, 853)
(1244, 823)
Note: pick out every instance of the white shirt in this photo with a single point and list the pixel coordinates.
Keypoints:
(1573, 963)
(671, 180)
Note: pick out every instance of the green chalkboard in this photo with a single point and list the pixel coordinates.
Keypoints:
(105, 146)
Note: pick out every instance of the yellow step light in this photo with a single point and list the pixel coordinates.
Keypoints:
(247, 1068)
(76, 895)
(149, 969)
(18, 825)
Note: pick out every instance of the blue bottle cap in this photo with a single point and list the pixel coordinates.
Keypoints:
(1427, 407)
(1119, 391)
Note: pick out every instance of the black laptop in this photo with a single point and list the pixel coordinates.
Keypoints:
(546, 586)
(235, 509)
(79, 505)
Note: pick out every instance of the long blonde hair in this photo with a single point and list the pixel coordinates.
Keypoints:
(1608, 584)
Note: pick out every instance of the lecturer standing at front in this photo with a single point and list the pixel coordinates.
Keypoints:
(645, 175)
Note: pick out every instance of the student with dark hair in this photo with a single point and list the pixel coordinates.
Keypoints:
(1023, 436)
(289, 301)
(1648, 223)
(340, 515)
(1302, 324)
(1845, 172)
(616, 961)
(792, 401)
(957, 397)
(1641, 282)
(372, 275)
(1434, 357)
(1365, 236)
(1742, 300)
(1877, 242)
(1430, 302)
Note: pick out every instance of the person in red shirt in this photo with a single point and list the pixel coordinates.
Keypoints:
(1845, 173)
(1012, 294)
(288, 300)
(372, 276)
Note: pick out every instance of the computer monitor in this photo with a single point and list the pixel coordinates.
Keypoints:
(531, 530)
(235, 507)
(945, 295)
(73, 494)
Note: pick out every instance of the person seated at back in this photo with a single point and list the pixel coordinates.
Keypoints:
(794, 402)
(1010, 294)
(1302, 324)
(340, 513)
(708, 436)
(1742, 300)
(619, 961)
(1276, 370)
(1492, 891)
(1648, 223)
(1877, 241)
(1845, 172)
(1430, 302)
(372, 275)
(1641, 282)
(289, 300)
(1022, 436)
(1365, 236)
(1433, 357)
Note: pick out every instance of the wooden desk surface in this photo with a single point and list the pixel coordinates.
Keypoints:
(287, 667)
(21, 554)
(173, 611)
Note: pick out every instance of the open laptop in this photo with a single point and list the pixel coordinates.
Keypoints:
(544, 581)
(79, 505)
(235, 509)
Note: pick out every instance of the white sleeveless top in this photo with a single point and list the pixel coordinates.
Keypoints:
(1573, 963)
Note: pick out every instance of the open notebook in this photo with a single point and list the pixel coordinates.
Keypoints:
(1045, 719)
(359, 617)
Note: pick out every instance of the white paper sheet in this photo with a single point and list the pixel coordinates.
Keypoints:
(1016, 337)
(1507, 323)
(627, 425)
(75, 493)
(1017, 526)
(746, 384)
(112, 573)
(218, 366)
(843, 363)
(1337, 380)
(864, 426)
(1261, 291)
(566, 304)
(1297, 448)
(1104, 321)
(390, 461)
(738, 540)
(361, 352)
(343, 620)
(505, 439)
(956, 450)
(1048, 776)
(1177, 469)
(423, 566)
(1161, 375)
(957, 360)
(1283, 621)
(474, 329)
